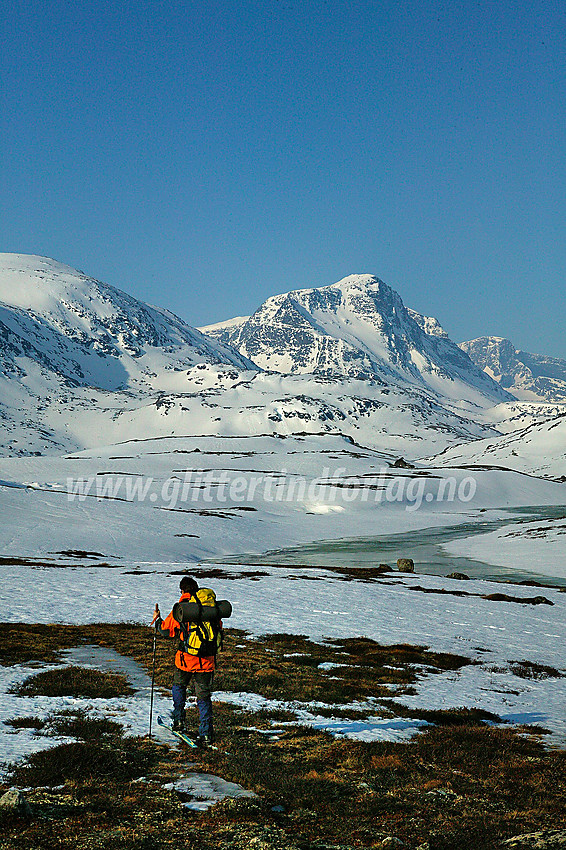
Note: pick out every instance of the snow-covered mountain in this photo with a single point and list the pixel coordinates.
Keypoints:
(75, 353)
(86, 333)
(359, 328)
(85, 365)
(539, 449)
(531, 377)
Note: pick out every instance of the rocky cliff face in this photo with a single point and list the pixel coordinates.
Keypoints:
(531, 377)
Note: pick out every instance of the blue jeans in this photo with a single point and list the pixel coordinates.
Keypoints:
(202, 685)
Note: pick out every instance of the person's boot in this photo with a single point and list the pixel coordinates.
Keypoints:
(179, 723)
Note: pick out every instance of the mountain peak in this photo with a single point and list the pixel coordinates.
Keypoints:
(357, 327)
(82, 363)
(31, 282)
(357, 281)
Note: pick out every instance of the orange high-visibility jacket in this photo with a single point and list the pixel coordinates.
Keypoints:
(188, 663)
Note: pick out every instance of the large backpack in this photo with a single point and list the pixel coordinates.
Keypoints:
(202, 638)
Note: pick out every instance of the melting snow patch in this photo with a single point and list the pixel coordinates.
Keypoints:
(108, 660)
(372, 729)
(205, 790)
(132, 712)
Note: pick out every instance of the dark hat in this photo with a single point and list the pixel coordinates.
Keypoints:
(188, 585)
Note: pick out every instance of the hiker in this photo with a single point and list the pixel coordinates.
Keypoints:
(191, 669)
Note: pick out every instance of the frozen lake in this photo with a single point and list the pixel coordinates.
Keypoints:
(424, 546)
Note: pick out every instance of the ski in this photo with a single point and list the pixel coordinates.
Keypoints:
(180, 735)
(186, 738)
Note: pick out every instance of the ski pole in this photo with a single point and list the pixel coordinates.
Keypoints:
(152, 684)
(153, 670)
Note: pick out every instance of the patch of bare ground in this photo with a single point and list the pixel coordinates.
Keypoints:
(74, 681)
(493, 597)
(460, 785)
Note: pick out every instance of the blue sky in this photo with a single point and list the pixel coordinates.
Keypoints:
(205, 155)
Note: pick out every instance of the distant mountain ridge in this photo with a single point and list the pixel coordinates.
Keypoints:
(85, 365)
(530, 377)
(359, 328)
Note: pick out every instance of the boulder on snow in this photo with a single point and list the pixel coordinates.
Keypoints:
(405, 565)
(459, 576)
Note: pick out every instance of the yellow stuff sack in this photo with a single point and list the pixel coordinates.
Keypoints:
(202, 639)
